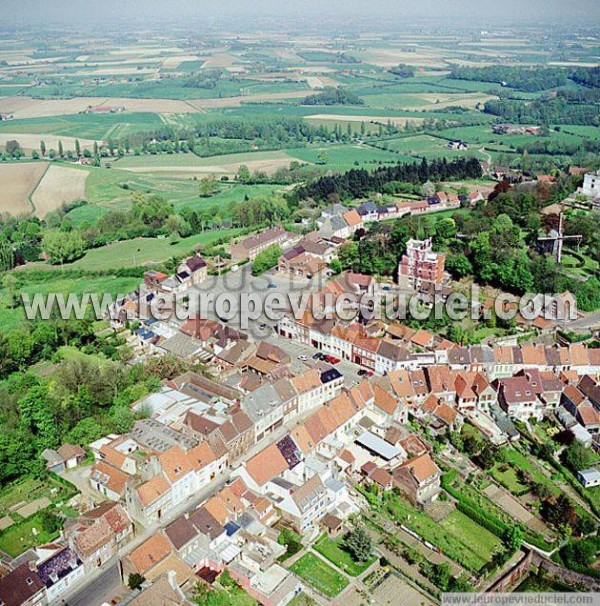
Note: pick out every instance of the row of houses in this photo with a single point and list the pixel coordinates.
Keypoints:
(231, 530)
(341, 222)
(42, 575)
(249, 248)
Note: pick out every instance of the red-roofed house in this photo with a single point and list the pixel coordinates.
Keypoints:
(419, 479)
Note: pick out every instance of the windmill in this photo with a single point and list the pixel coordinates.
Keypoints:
(553, 242)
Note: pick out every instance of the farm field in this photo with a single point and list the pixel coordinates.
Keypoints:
(58, 186)
(17, 183)
(26, 107)
(30, 142)
(341, 118)
(189, 165)
(94, 127)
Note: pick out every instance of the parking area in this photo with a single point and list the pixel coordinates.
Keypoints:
(241, 284)
(296, 349)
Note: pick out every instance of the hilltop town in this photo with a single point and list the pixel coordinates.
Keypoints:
(294, 317)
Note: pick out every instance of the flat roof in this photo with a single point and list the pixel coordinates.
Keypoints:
(378, 445)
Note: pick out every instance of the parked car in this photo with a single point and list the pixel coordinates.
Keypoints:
(319, 356)
(302, 357)
(332, 359)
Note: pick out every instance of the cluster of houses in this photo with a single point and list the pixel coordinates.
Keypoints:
(42, 575)
(216, 467)
(190, 272)
(339, 222)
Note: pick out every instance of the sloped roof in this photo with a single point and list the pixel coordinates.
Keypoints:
(266, 465)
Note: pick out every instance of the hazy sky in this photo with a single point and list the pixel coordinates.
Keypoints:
(469, 11)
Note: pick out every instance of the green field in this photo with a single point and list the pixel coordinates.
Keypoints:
(52, 281)
(146, 251)
(319, 575)
(479, 540)
(19, 538)
(86, 126)
(333, 550)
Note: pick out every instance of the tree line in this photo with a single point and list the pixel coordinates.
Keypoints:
(359, 183)
(526, 79)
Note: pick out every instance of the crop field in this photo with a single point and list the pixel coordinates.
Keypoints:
(59, 185)
(346, 157)
(30, 142)
(17, 183)
(189, 165)
(95, 127)
(26, 107)
(340, 118)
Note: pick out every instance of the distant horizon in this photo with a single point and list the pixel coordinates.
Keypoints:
(467, 13)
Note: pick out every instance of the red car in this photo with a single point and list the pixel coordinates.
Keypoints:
(332, 359)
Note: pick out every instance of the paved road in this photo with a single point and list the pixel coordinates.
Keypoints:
(104, 581)
(295, 349)
(102, 588)
(242, 283)
(588, 321)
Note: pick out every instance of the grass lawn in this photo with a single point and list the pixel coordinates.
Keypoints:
(146, 251)
(19, 538)
(332, 549)
(319, 575)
